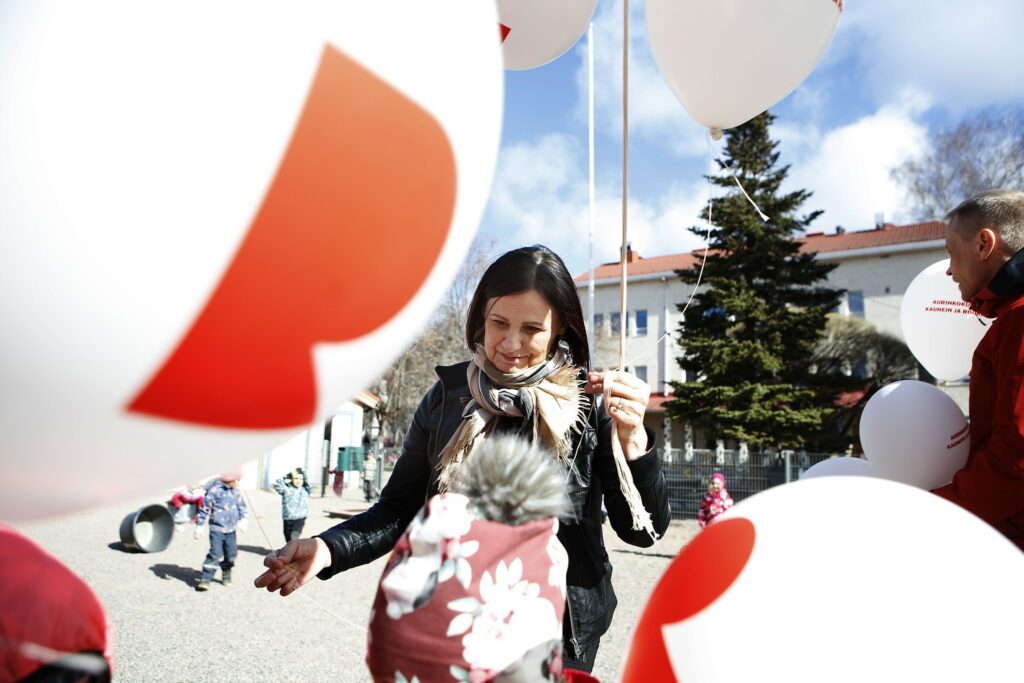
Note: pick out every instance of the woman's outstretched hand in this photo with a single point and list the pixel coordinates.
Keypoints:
(626, 397)
(290, 567)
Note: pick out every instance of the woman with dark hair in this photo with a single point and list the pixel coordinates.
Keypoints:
(527, 377)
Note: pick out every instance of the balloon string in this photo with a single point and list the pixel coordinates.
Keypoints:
(263, 531)
(762, 214)
(704, 259)
(624, 252)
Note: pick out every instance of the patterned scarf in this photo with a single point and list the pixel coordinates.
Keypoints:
(548, 396)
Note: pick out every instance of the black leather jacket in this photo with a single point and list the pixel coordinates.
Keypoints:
(591, 600)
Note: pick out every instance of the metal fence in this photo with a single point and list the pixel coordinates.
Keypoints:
(688, 474)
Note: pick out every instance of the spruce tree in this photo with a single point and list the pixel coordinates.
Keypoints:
(750, 333)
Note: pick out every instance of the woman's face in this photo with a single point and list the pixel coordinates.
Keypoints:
(519, 330)
(716, 484)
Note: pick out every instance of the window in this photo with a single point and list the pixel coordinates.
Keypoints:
(641, 323)
(714, 312)
(860, 370)
(616, 323)
(855, 302)
(641, 372)
(598, 324)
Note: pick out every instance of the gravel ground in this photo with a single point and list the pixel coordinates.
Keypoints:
(166, 631)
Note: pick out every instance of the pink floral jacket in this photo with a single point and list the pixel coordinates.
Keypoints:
(712, 505)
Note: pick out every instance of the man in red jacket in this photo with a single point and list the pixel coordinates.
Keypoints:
(985, 241)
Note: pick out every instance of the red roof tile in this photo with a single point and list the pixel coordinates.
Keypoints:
(887, 235)
(848, 399)
(817, 242)
(656, 403)
(644, 266)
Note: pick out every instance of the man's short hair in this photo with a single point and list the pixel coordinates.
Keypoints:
(1000, 209)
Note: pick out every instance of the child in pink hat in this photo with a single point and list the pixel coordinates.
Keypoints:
(715, 501)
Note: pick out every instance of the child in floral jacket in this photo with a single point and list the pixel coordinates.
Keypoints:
(715, 501)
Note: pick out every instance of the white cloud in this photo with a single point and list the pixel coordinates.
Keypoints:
(961, 56)
(655, 114)
(540, 195)
(964, 55)
(848, 168)
(539, 192)
(913, 54)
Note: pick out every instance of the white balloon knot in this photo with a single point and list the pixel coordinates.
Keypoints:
(716, 134)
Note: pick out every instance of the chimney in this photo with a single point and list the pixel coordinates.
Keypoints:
(631, 256)
(840, 230)
(879, 220)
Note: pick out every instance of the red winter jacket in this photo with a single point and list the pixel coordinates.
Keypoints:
(991, 484)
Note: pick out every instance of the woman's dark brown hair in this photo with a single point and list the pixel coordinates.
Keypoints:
(538, 268)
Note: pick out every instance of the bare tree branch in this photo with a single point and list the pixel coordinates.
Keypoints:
(441, 342)
(983, 153)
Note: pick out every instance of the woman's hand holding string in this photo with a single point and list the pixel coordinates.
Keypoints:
(290, 567)
(626, 397)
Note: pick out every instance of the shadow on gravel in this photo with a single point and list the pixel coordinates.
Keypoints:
(186, 575)
(254, 549)
(121, 547)
(640, 552)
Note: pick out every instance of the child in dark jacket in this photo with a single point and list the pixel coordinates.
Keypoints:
(224, 506)
(294, 490)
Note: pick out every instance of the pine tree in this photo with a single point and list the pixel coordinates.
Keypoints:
(749, 334)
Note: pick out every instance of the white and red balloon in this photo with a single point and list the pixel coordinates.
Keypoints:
(871, 578)
(535, 32)
(939, 327)
(913, 432)
(729, 60)
(221, 221)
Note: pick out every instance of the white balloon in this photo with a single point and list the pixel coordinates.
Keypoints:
(540, 31)
(914, 433)
(169, 179)
(939, 327)
(729, 60)
(878, 578)
(844, 466)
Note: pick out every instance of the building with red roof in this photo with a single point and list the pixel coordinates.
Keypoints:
(875, 267)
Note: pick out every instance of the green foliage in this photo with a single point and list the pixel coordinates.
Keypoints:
(866, 360)
(750, 332)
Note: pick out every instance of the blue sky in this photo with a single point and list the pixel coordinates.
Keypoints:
(895, 70)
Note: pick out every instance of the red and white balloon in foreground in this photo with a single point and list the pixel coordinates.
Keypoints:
(535, 32)
(940, 329)
(840, 579)
(729, 60)
(220, 221)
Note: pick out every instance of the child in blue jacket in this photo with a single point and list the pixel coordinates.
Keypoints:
(294, 490)
(224, 506)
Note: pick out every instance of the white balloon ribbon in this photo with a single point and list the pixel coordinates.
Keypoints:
(641, 517)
